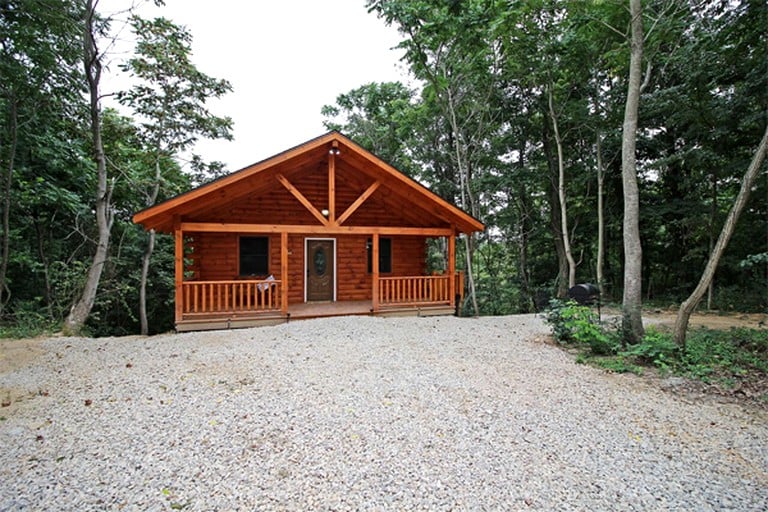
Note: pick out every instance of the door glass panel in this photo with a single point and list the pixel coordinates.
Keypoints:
(320, 261)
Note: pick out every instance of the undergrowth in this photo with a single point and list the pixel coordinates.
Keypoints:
(729, 358)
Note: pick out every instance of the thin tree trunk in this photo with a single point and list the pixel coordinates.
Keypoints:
(143, 285)
(561, 195)
(144, 321)
(689, 304)
(554, 219)
(522, 201)
(525, 281)
(40, 235)
(7, 182)
(632, 321)
(467, 201)
(712, 220)
(600, 214)
(92, 63)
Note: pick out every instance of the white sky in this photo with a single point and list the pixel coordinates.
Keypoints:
(285, 60)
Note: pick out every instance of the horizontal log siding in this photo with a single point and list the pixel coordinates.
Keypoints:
(278, 206)
(409, 256)
(214, 258)
(352, 278)
(295, 269)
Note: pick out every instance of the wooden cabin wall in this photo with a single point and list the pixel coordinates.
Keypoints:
(214, 257)
(278, 206)
(409, 256)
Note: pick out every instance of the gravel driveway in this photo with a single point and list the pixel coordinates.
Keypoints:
(362, 414)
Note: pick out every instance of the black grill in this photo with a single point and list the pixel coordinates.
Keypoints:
(585, 294)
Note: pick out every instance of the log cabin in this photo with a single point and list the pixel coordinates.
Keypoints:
(325, 228)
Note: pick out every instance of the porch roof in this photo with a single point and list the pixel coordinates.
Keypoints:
(405, 191)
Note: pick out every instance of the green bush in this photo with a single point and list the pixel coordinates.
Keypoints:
(726, 355)
(572, 323)
(29, 320)
(657, 349)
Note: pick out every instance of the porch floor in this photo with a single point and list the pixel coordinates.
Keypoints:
(303, 311)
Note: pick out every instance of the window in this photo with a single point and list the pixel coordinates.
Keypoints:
(254, 255)
(385, 255)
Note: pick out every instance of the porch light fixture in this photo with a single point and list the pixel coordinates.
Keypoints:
(334, 151)
(325, 212)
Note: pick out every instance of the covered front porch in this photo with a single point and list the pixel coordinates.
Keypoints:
(250, 303)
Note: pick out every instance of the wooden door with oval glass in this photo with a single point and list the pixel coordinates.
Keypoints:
(320, 263)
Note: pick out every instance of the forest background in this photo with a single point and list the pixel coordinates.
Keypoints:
(516, 113)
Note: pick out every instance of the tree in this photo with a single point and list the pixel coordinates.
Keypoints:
(379, 117)
(38, 65)
(632, 321)
(561, 192)
(448, 47)
(171, 102)
(750, 177)
(93, 27)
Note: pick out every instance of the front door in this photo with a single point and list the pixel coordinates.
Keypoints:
(320, 263)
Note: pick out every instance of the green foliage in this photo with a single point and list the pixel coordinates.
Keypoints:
(614, 364)
(29, 321)
(730, 355)
(572, 323)
(726, 357)
(657, 349)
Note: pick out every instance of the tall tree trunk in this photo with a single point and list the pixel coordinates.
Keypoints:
(40, 235)
(689, 304)
(467, 200)
(144, 321)
(525, 220)
(525, 281)
(92, 63)
(561, 195)
(554, 218)
(7, 182)
(712, 220)
(600, 214)
(632, 321)
(143, 284)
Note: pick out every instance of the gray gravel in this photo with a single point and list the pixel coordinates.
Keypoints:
(362, 414)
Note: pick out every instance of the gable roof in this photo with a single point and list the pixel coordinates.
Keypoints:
(238, 184)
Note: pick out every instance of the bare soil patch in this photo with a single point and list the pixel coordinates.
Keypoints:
(710, 320)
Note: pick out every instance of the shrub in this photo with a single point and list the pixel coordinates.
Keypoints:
(28, 321)
(732, 353)
(657, 349)
(572, 323)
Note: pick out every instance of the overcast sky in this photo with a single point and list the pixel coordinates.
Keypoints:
(285, 60)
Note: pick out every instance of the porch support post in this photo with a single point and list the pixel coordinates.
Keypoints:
(178, 269)
(452, 267)
(332, 184)
(375, 272)
(284, 271)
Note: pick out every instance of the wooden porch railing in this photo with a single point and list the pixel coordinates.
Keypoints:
(238, 296)
(415, 290)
